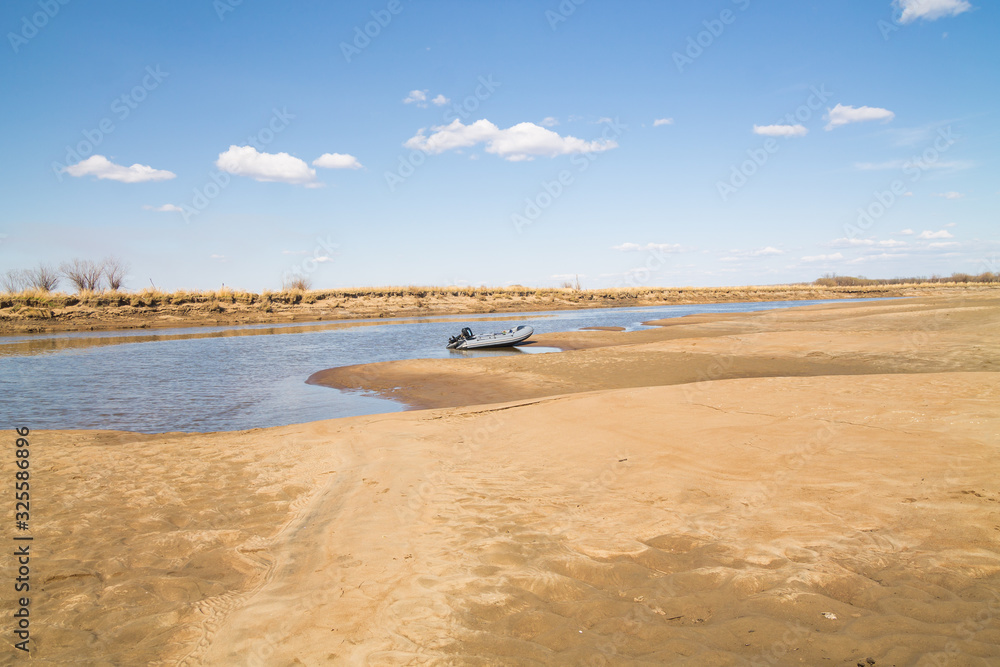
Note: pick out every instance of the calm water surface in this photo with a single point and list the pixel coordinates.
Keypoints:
(232, 378)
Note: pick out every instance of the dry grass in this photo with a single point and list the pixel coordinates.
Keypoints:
(833, 280)
(151, 298)
(37, 310)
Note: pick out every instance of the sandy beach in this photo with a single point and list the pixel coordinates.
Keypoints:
(812, 486)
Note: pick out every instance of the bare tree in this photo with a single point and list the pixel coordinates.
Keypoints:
(42, 277)
(115, 270)
(14, 281)
(296, 282)
(83, 273)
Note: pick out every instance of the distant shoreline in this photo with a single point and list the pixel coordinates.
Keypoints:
(50, 313)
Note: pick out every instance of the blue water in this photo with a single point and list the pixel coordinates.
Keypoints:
(233, 378)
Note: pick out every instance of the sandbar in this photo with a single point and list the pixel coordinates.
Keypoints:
(807, 486)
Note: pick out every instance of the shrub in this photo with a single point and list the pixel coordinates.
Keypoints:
(297, 283)
(14, 281)
(114, 271)
(83, 273)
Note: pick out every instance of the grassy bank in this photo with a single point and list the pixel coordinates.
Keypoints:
(32, 311)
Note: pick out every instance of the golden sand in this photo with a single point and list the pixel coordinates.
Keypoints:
(814, 486)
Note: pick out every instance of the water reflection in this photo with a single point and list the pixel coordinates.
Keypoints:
(57, 342)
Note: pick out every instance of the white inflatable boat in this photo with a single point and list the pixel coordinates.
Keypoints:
(469, 341)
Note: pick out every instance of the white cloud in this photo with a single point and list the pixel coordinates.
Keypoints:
(323, 259)
(440, 100)
(823, 258)
(943, 234)
(850, 243)
(663, 121)
(658, 247)
(523, 141)
(337, 161)
(949, 195)
(907, 232)
(549, 121)
(880, 257)
(943, 244)
(418, 97)
(769, 250)
(268, 167)
(842, 115)
(103, 168)
(929, 10)
(165, 208)
(757, 252)
(865, 243)
(217, 256)
(781, 130)
(605, 119)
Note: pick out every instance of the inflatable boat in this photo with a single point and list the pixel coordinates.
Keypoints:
(469, 341)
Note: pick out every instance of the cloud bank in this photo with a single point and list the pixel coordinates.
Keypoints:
(103, 168)
(929, 10)
(268, 167)
(842, 115)
(337, 161)
(781, 130)
(523, 141)
(657, 247)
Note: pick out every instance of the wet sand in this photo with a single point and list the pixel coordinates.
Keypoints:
(811, 486)
(898, 336)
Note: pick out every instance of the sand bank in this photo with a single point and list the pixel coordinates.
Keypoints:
(761, 520)
(153, 310)
(904, 336)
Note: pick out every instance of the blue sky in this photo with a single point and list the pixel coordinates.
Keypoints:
(394, 142)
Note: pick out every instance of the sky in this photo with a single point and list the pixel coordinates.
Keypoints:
(402, 142)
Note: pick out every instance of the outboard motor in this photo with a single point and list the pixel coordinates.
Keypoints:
(455, 341)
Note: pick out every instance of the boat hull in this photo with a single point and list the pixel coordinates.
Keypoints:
(502, 339)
